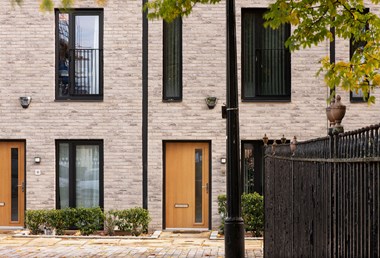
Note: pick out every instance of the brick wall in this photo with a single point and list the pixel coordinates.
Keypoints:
(27, 68)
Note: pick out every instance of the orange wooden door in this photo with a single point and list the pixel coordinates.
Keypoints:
(187, 185)
(12, 184)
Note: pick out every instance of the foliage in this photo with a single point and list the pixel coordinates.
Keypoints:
(48, 5)
(222, 210)
(110, 223)
(134, 220)
(170, 9)
(35, 220)
(252, 212)
(313, 20)
(88, 220)
(60, 219)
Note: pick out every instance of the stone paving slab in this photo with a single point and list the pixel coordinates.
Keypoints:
(168, 245)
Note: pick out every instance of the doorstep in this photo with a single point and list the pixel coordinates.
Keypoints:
(25, 234)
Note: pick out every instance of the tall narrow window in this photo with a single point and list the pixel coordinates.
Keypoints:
(265, 60)
(79, 43)
(14, 184)
(357, 95)
(172, 60)
(80, 174)
(198, 185)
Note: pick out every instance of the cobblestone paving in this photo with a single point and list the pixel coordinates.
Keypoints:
(168, 245)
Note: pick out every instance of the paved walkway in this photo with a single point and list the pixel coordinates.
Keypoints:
(167, 245)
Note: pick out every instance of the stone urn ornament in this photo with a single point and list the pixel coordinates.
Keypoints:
(330, 117)
(338, 110)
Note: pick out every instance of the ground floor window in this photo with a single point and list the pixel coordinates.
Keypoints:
(252, 166)
(79, 173)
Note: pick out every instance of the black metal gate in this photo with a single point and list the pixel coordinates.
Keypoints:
(323, 201)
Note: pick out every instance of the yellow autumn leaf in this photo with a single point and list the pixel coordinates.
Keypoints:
(376, 80)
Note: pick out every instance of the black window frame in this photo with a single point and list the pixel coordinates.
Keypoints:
(165, 62)
(72, 170)
(72, 13)
(264, 98)
(353, 47)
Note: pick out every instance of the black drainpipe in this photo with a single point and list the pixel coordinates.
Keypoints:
(145, 106)
(332, 51)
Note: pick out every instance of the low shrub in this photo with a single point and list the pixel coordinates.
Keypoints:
(88, 220)
(60, 220)
(110, 223)
(252, 212)
(222, 206)
(134, 221)
(35, 220)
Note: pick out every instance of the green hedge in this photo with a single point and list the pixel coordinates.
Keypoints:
(134, 221)
(87, 220)
(252, 212)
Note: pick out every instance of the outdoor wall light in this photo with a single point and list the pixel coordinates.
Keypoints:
(37, 160)
(25, 101)
(211, 102)
(223, 160)
(224, 111)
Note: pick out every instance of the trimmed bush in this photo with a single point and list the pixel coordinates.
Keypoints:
(134, 221)
(222, 206)
(252, 212)
(60, 220)
(110, 223)
(35, 220)
(88, 220)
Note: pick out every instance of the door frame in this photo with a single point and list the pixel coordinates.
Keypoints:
(26, 184)
(164, 142)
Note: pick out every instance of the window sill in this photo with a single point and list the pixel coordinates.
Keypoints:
(288, 100)
(80, 99)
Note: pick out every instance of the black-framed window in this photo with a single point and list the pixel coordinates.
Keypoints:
(79, 54)
(172, 60)
(252, 166)
(79, 173)
(358, 96)
(266, 70)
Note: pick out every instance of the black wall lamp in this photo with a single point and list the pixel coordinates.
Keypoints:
(25, 101)
(211, 102)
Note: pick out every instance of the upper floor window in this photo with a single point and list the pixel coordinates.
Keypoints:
(358, 96)
(79, 54)
(265, 60)
(172, 60)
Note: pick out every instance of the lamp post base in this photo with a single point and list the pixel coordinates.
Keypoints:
(234, 238)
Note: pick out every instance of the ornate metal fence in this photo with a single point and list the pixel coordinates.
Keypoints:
(323, 201)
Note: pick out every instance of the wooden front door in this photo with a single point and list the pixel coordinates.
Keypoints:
(12, 184)
(187, 185)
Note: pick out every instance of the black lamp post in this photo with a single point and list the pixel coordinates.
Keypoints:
(234, 225)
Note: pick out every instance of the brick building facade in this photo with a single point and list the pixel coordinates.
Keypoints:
(113, 122)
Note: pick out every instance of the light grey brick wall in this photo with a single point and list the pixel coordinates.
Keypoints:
(27, 68)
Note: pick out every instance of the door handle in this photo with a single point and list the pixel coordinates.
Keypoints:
(22, 186)
(205, 186)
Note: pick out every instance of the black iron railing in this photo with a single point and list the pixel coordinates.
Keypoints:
(84, 79)
(324, 200)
